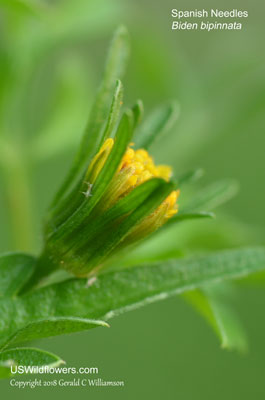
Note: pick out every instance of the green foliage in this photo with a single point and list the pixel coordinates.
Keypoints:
(26, 356)
(29, 312)
(5, 369)
(69, 306)
(52, 326)
(211, 302)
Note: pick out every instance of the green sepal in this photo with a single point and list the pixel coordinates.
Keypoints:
(122, 138)
(144, 201)
(67, 206)
(123, 207)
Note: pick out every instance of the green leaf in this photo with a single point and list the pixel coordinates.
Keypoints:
(214, 307)
(212, 196)
(52, 326)
(95, 129)
(5, 369)
(158, 123)
(15, 270)
(116, 292)
(26, 356)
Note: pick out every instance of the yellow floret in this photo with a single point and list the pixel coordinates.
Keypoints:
(143, 167)
(136, 167)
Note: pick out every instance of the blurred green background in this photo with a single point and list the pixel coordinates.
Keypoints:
(52, 56)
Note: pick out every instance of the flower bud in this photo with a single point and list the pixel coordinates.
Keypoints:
(136, 202)
(113, 195)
